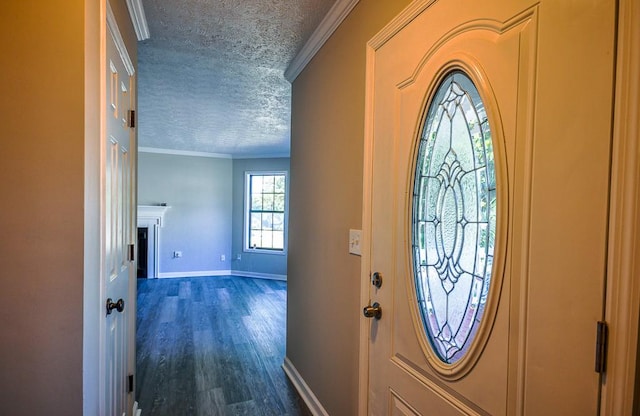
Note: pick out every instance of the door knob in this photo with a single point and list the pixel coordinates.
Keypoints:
(372, 311)
(111, 305)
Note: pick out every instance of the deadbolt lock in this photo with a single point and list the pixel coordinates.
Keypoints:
(376, 279)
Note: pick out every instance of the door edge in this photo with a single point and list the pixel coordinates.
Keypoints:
(622, 310)
(409, 13)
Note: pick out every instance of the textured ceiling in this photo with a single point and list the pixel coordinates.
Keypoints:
(210, 78)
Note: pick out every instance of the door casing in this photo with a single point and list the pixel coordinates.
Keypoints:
(623, 287)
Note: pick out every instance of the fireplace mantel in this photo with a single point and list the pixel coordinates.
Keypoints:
(153, 213)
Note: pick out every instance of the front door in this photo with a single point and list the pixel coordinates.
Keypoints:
(118, 231)
(489, 134)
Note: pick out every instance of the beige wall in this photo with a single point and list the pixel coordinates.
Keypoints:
(326, 201)
(42, 166)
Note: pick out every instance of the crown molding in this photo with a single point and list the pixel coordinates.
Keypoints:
(211, 155)
(263, 156)
(182, 152)
(329, 24)
(139, 19)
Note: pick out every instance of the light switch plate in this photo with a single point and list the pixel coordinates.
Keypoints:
(355, 237)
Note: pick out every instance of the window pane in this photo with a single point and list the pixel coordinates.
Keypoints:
(256, 184)
(256, 202)
(267, 239)
(267, 221)
(454, 217)
(267, 184)
(256, 221)
(280, 184)
(278, 240)
(278, 202)
(255, 240)
(278, 222)
(267, 202)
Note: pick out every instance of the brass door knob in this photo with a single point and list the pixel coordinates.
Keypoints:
(372, 311)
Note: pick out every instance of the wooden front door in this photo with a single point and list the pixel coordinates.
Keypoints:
(489, 131)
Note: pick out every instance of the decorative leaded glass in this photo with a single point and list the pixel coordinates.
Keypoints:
(454, 217)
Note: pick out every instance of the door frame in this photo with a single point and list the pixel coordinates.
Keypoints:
(622, 290)
(92, 313)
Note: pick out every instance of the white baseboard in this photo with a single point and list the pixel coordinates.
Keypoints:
(240, 273)
(255, 275)
(303, 389)
(194, 274)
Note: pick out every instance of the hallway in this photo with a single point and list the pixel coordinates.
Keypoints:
(213, 346)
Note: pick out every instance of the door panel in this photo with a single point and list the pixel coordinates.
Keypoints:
(548, 272)
(118, 224)
(400, 408)
(569, 206)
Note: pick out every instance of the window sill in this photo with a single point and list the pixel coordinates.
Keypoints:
(265, 251)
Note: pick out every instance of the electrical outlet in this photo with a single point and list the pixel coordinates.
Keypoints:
(238, 256)
(354, 242)
(177, 254)
(223, 257)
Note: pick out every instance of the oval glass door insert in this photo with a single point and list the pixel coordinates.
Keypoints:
(454, 217)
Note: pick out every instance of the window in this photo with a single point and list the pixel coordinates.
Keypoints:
(266, 205)
(454, 217)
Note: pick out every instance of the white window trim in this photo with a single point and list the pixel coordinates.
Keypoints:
(247, 221)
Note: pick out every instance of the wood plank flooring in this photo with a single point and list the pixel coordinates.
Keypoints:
(213, 346)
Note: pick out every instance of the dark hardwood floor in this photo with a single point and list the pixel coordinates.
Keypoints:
(213, 346)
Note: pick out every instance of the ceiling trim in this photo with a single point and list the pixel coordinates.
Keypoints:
(329, 24)
(182, 152)
(143, 149)
(139, 19)
(264, 156)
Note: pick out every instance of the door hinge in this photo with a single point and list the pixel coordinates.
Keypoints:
(131, 118)
(602, 338)
(132, 253)
(130, 383)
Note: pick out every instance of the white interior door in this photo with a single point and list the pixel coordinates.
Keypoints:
(490, 130)
(119, 224)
